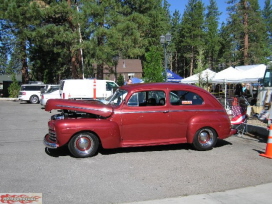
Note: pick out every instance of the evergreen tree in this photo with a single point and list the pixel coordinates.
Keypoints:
(102, 17)
(212, 35)
(56, 41)
(175, 32)
(153, 71)
(225, 53)
(192, 32)
(267, 15)
(17, 14)
(14, 88)
(248, 32)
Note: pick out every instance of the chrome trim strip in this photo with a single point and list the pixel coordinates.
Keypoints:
(81, 108)
(49, 144)
(169, 111)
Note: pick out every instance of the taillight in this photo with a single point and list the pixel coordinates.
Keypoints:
(63, 95)
(42, 96)
(23, 93)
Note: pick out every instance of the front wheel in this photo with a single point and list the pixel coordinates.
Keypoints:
(83, 144)
(205, 139)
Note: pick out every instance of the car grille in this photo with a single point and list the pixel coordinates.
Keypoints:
(52, 135)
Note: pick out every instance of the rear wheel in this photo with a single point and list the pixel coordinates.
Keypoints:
(34, 99)
(205, 139)
(83, 144)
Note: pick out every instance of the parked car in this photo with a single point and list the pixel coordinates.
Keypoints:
(48, 88)
(31, 92)
(139, 115)
(51, 93)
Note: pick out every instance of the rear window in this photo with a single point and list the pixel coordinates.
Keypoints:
(32, 88)
(185, 98)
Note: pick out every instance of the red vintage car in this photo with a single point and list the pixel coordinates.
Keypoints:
(139, 115)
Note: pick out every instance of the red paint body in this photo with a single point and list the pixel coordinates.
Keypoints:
(129, 126)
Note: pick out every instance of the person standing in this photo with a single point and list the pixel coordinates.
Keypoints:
(129, 81)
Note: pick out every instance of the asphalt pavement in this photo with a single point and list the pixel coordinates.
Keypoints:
(259, 194)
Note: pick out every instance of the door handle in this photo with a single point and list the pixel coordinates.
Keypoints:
(166, 111)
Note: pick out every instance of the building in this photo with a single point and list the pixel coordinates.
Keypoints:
(5, 81)
(128, 68)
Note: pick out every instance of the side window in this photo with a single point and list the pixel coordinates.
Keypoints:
(185, 98)
(147, 98)
(137, 99)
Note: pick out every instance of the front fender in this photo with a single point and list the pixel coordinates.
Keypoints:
(107, 131)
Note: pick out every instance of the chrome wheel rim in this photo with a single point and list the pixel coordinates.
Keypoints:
(34, 99)
(206, 137)
(83, 144)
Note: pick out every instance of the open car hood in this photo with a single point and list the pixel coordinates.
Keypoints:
(94, 107)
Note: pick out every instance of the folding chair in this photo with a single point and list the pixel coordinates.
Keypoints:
(239, 120)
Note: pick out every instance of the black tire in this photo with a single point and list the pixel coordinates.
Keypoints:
(205, 139)
(83, 144)
(34, 99)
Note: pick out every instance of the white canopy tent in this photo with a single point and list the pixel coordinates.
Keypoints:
(252, 73)
(205, 74)
(240, 74)
(228, 75)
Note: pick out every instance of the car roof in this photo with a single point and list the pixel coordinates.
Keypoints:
(161, 85)
(33, 85)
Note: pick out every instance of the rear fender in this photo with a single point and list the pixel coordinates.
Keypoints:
(220, 124)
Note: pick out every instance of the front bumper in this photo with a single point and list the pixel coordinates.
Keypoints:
(48, 143)
(233, 132)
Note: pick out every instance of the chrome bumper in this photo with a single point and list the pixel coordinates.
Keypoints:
(49, 144)
(233, 132)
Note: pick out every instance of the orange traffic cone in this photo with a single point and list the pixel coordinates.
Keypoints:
(268, 152)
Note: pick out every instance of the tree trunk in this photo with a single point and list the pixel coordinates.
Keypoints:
(246, 43)
(74, 66)
(75, 55)
(25, 76)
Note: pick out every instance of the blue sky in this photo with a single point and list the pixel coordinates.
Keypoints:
(221, 4)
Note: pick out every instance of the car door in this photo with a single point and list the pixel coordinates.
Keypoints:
(145, 119)
(184, 106)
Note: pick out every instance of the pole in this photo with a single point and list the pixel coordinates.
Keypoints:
(165, 63)
(94, 89)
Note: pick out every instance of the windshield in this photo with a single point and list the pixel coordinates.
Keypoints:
(267, 80)
(110, 85)
(117, 98)
(52, 89)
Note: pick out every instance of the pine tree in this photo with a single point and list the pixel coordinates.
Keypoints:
(212, 35)
(175, 31)
(267, 16)
(192, 32)
(153, 71)
(225, 53)
(17, 16)
(248, 32)
(14, 88)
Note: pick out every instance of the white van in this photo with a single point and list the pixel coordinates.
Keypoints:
(86, 88)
